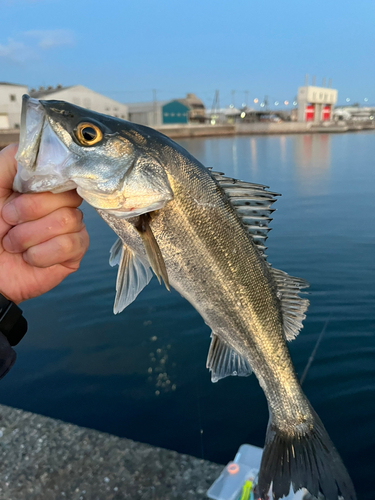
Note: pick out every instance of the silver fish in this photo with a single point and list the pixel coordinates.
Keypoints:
(203, 234)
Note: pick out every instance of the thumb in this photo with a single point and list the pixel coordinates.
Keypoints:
(8, 169)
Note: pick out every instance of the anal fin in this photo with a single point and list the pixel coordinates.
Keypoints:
(223, 361)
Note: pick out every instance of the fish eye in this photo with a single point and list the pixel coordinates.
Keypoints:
(88, 134)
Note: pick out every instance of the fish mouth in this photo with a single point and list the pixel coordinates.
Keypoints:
(42, 158)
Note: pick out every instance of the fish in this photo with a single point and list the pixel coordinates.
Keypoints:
(203, 234)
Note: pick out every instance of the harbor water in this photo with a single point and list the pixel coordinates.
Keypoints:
(141, 374)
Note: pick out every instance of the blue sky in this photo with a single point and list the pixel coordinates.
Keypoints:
(124, 49)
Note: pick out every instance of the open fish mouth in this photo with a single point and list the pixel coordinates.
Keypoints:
(42, 159)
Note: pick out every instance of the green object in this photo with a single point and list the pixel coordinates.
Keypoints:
(175, 112)
(246, 490)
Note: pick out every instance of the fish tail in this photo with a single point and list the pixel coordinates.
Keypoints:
(303, 460)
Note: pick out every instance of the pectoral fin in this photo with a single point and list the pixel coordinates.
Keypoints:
(152, 249)
(133, 275)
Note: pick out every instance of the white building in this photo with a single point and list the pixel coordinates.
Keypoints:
(354, 113)
(146, 113)
(315, 104)
(82, 96)
(11, 104)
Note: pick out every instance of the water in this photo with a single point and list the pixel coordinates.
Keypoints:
(82, 364)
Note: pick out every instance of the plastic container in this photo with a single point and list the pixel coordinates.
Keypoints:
(228, 486)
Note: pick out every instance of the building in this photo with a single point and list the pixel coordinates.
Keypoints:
(315, 104)
(146, 113)
(189, 109)
(354, 113)
(11, 104)
(82, 96)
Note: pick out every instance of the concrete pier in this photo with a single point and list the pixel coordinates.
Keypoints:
(259, 128)
(45, 459)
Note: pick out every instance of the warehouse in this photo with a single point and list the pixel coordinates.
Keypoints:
(189, 109)
(11, 104)
(83, 96)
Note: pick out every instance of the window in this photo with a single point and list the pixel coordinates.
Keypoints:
(178, 114)
(166, 114)
(12, 97)
(172, 114)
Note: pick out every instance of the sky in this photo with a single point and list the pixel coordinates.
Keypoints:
(125, 49)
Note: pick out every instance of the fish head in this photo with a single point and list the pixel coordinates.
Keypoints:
(63, 146)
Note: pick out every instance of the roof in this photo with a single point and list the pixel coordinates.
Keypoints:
(191, 101)
(42, 91)
(13, 84)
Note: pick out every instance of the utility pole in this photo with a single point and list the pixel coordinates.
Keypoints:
(266, 102)
(154, 107)
(215, 104)
(233, 92)
(246, 98)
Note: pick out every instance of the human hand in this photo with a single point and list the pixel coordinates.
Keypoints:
(42, 236)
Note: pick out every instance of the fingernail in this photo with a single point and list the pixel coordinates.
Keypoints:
(10, 213)
(7, 244)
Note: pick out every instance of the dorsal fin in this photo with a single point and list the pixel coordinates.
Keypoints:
(252, 203)
(223, 361)
(292, 305)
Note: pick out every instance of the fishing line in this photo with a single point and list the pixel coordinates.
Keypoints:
(312, 355)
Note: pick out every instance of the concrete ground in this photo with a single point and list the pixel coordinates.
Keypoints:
(45, 459)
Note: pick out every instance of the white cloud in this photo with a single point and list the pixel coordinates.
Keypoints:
(48, 39)
(16, 52)
(29, 44)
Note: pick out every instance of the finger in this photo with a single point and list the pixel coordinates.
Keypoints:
(23, 236)
(8, 168)
(28, 207)
(64, 248)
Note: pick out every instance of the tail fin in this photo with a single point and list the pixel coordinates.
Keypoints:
(304, 461)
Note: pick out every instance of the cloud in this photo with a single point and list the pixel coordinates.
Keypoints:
(30, 44)
(16, 52)
(48, 39)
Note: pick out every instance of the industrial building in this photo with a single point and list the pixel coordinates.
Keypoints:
(315, 104)
(177, 111)
(11, 104)
(146, 113)
(83, 96)
(187, 110)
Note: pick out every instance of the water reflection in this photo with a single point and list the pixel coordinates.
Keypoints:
(283, 149)
(312, 159)
(253, 152)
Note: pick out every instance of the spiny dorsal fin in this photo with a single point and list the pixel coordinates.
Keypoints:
(223, 361)
(292, 305)
(252, 203)
(133, 275)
